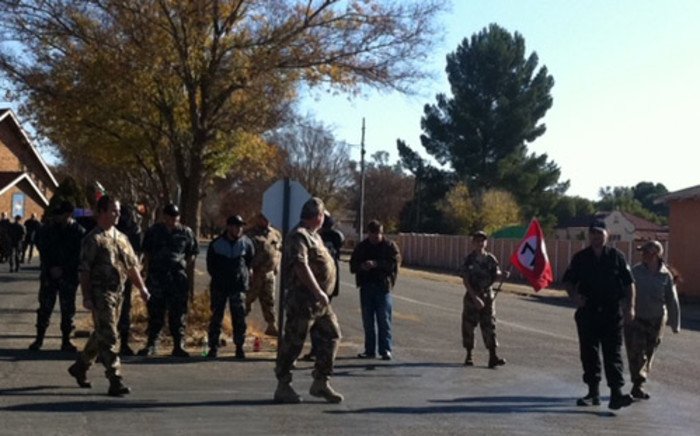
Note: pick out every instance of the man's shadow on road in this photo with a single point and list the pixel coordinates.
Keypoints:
(15, 354)
(488, 405)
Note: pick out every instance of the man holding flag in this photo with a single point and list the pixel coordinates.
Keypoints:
(479, 272)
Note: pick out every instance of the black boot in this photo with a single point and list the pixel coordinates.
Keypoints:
(178, 349)
(117, 387)
(240, 354)
(592, 398)
(39, 341)
(66, 344)
(619, 400)
(79, 372)
(468, 361)
(124, 349)
(494, 360)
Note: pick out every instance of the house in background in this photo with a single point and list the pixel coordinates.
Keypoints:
(684, 238)
(26, 183)
(621, 226)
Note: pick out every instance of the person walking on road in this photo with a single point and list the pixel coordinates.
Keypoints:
(375, 263)
(266, 263)
(310, 277)
(59, 250)
(229, 263)
(32, 226)
(16, 232)
(169, 250)
(479, 272)
(656, 303)
(129, 224)
(600, 283)
(106, 260)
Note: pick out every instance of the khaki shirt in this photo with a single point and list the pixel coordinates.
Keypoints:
(107, 256)
(268, 249)
(307, 247)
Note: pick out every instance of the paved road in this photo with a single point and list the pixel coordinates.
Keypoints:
(425, 390)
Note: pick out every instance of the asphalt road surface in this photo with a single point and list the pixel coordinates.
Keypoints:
(425, 390)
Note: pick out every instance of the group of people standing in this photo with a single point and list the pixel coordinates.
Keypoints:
(16, 239)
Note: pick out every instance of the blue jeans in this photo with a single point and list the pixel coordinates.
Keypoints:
(376, 304)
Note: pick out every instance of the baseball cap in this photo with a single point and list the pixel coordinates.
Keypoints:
(652, 245)
(171, 210)
(597, 226)
(480, 234)
(234, 220)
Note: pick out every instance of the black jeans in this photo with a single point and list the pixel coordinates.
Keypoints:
(601, 328)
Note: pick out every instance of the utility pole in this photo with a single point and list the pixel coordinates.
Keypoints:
(362, 182)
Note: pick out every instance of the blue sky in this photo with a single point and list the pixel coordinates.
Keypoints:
(626, 93)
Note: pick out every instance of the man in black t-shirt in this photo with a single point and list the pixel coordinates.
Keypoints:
(600, 283)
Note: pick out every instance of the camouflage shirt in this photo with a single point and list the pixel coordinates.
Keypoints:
(480, 271)
(107, 256)
(268, 249)
(306, 246)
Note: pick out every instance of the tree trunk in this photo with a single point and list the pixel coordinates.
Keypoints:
(190, 200)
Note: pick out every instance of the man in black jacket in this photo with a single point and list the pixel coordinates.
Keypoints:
(375, 263)
(59, 249)
(229, 263)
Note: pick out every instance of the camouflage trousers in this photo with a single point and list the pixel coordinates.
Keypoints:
(103, 340)
(642, 338)
(485, 318)
(262, 287)
(304, 316)
(49, 290)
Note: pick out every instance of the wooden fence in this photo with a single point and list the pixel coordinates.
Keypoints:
(445, 252)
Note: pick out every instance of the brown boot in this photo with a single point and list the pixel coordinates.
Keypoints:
(321, 388)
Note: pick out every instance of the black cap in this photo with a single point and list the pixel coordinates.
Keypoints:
(234, 220)
(63, 207)
(597, 226)
(171, 210)
(480, 234)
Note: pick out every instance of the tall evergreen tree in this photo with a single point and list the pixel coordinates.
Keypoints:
(498, 98)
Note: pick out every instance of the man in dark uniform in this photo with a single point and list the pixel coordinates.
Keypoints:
(229, 263)
(4, 237)
(600, 283)
(479, 272)
(310, 277)
(32, 225)
(59, 250)
(129, 224)
(16, 231)
(169, 249)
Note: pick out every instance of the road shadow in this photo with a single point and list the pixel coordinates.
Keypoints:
(488, 405)
(14, 355)
(194, 358)
(118, 404)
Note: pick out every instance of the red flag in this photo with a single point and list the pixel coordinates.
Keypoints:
(531, 258)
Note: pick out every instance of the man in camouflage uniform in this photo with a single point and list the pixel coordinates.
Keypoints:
(479, 271)
(268, 249)
(169, 250)
(310, 277)
(106, 260)
(59, 249)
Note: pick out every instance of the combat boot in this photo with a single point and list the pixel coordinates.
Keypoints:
(271, 330)
(639, 392)
(321, 388)
(179, 350)
(66, 344)
(149, 350)
(619, 400)
(494, 360)
(468, 361)
(240, 354)
(285, 393)
(39, 341)
(592, 398)
(79, 372)
(117, 388)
